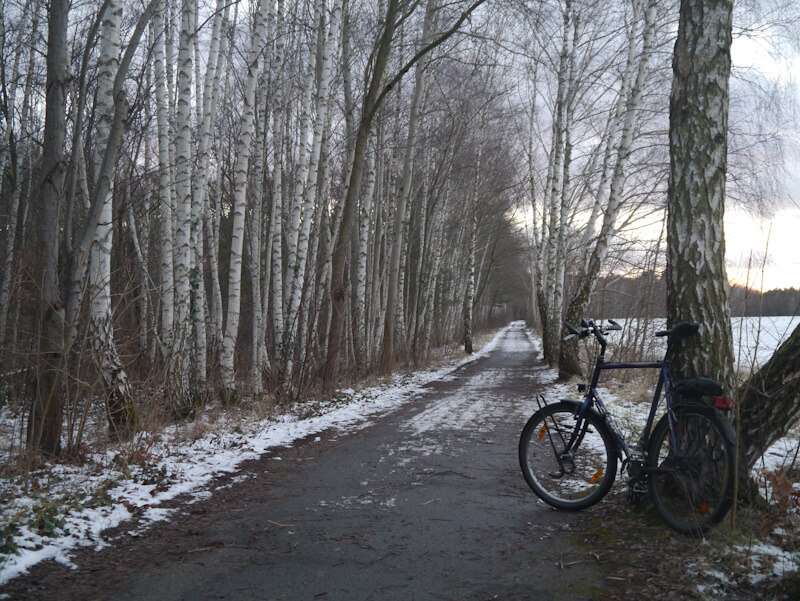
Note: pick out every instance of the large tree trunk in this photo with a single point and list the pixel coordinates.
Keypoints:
(122, 416)
(180, 364)
(44, 422)
(768, 404)
(697, 286)
(339, 295)
(166, 197)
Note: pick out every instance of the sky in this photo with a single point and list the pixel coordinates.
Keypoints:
(749, 236)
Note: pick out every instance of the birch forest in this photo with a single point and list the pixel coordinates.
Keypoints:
(270, 199)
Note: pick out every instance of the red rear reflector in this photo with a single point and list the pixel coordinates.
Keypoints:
(723, 402)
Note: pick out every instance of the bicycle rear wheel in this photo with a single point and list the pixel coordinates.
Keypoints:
(691, 483)
(569, 462)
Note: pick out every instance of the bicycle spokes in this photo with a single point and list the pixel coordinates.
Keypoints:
(691, 476)
(569, 461)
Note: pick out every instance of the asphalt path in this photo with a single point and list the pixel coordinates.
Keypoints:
(425, 503)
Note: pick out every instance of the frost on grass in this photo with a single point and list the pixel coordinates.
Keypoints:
(50, 512)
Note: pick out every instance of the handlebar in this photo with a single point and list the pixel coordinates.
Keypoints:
(680, 330)
(589, 327)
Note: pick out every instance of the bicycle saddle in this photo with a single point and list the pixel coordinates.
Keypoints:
(684, 328)
(698, 387)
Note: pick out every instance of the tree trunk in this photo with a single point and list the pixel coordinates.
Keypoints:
(210, 93)
(122, 414)
(164, 179)
(697, 286)
(180, 364)
(240, 203)
(44, 422)
(394, 301)
(768, 404)
(552, 321)
(307, 184)
(360, 313)
(276, 212)
(339, 296)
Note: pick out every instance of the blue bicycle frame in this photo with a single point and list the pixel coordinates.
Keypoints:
(664, 383)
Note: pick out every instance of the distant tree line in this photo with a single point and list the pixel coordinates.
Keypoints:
(644, 296)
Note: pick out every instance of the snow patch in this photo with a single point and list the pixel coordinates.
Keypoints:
(186, 467)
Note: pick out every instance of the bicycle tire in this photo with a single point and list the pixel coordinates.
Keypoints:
(692, 484)
(578, 479)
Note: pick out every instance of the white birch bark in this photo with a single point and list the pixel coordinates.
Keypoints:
(472, 236)
(210, 93)
(360, 315)
(557, 310)
(258, 362)
(552, 321)
(119, 401)
(568, 362)
(612, 131)
(316, 283)
(276, 221)
(182, 339)
(165, 179)
(240, 202)
(628, 125)
(310, 186)
(437, 239)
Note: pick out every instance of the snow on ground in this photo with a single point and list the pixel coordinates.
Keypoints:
(754, 338)
(62, 507)
(57, 509)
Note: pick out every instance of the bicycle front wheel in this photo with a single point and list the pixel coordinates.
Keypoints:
(569, 462)
(691, 482)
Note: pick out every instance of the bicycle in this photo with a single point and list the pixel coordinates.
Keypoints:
(568, 450)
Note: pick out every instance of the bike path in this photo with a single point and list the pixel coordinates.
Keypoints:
(427, 503)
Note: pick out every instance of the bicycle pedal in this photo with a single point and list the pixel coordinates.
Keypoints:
(637, 491)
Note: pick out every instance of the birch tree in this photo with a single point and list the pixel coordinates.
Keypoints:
(119, 398)
(394, 302)
(180, 353)
(697, 286)
(240, 189)
(210, 93)
(630, 96)
(306, 186)
(165, 176)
